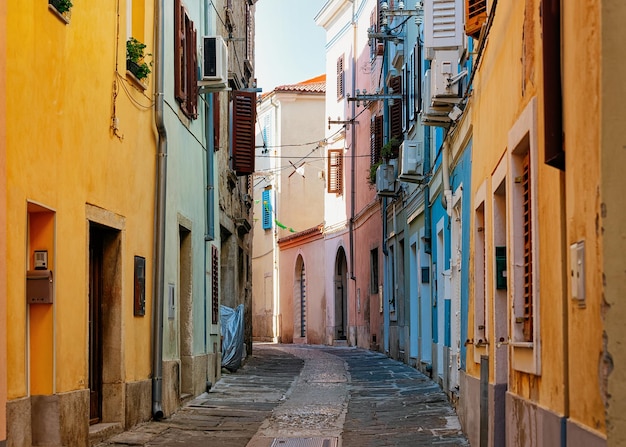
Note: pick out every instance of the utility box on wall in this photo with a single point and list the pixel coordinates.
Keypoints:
(39, 287)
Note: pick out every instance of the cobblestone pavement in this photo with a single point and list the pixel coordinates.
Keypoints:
(308, 396)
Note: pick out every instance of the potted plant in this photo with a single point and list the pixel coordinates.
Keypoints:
(63, 6)
(135, 59)
(391, 149)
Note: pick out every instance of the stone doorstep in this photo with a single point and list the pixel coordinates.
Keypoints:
(102, 431)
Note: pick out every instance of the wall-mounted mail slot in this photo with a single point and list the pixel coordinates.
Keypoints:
(39, 287)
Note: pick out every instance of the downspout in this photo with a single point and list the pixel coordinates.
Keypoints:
(276, 327)
(353, 143)
(159, 246)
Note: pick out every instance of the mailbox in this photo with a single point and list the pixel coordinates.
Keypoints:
(39, 287)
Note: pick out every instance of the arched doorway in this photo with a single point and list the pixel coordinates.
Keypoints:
(341, 295)
(300, 299)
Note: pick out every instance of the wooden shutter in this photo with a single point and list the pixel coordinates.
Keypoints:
(335, 171)
(376, 139)
(554, 149)
(244, 118)
(179, 51)
(475, 17)
(395, 111)
(528, 260)
(267, 210)
(340, 78)
(215, 283)
(192, 72)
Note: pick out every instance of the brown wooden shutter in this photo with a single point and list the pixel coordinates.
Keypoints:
(215, 300)
(395, 111)
(244, 118)
(192, 72)
(528, 260)
(376, 139)
(179, 47)
(554, 149)
(335, 171)
(475, 17)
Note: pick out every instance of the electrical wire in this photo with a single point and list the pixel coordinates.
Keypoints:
(124, 83)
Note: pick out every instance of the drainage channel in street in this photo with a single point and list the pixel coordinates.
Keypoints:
(304, 442)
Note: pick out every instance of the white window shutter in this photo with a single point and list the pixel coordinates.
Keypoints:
(443, 23)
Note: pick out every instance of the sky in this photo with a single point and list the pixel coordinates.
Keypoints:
(289, 46)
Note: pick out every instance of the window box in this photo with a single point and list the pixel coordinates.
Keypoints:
(62, 9)
(135, 59)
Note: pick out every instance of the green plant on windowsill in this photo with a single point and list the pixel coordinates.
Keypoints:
(135, 59)
(63, 6)
(373, 168)
(390, 149)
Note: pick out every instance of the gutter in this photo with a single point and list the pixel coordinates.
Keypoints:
(159, 244)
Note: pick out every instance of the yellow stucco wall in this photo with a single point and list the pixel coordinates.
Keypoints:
(568, 203)
(3, 228)
(613, 215)
(62, 92)
(582, 124)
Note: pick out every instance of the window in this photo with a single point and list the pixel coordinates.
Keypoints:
(340, 78)
(335, 171)
(480, 299)
(395, 110)
(374, 271)
(376, 139)
(522, 267)
(185, 62)
(267, 210)
(475, 16)
(244, 120)
(528, 261)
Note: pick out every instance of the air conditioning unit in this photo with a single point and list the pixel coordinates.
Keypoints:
(433, 115)
(214, 69)
(444, 67)
(385, 180)
(411, 161)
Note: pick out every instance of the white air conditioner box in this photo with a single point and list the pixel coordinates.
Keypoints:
(385, 180)
(444, 67)
(214, 69)
(411, 160)
(429, 108)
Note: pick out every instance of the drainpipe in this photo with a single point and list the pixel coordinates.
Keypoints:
(353, 143)
(276, 327)
(159, 246)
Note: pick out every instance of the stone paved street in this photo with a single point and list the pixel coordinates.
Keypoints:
(307, 396)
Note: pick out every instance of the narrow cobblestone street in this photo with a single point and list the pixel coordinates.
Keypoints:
(306, 396)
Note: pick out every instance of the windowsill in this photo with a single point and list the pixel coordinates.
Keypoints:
(140, 85)
(523, 344)
(65, 18)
